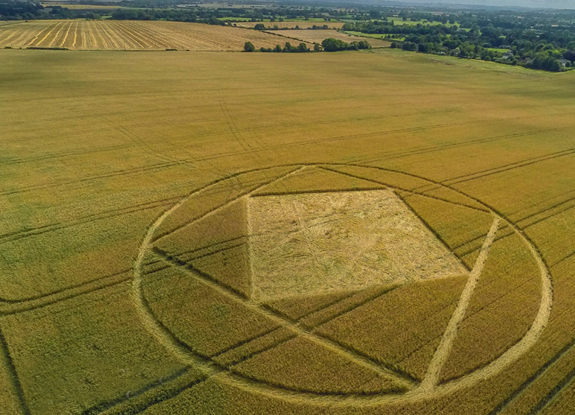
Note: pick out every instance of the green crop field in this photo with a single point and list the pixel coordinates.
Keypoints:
(371, 232)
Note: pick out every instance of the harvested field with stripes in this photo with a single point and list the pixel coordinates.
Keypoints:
(367, 233)
(130, 35)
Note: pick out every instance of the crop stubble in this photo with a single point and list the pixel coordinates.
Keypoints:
(131, 35)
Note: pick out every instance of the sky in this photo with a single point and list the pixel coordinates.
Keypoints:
(551, 4)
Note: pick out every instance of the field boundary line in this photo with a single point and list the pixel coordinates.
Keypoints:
(431, 378)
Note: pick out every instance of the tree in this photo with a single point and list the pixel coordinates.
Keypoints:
(249, 47)
(260, 26)
(363, 44)
(554, 65)
(333, 45)
(302, 47)
(316, 47)
(409, 46)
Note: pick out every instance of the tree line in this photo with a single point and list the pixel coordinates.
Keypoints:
(327, 45)
(546, 47)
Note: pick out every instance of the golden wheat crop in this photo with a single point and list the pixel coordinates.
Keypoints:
(299, 364)
(493, 321)
(394, 326)
(125, 262)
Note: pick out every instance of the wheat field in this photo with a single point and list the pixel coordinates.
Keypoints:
(142, 198)
(130, 35)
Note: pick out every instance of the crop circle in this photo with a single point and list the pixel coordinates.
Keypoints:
(270, 266)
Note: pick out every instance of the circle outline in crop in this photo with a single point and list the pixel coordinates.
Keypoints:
(418, 393)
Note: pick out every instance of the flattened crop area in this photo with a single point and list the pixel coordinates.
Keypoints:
(130, 35)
